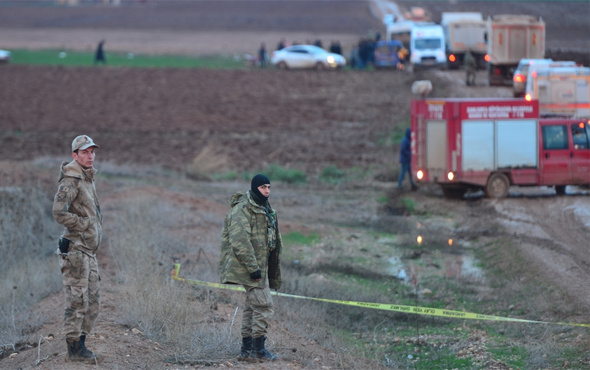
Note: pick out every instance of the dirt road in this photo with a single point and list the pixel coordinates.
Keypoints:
(552, 232)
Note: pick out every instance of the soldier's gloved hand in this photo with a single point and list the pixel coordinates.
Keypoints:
(256, 275)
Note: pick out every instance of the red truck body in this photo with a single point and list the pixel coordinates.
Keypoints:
(491, 144)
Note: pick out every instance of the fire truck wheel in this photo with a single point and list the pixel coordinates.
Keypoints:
(497, 186)
(560, 189)
(453, 192)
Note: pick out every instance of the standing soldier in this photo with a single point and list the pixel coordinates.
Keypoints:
(76, 207)
(250, 255)
(470, 68)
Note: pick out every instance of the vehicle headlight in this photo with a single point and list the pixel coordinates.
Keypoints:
(420, 175)
(331, 59)
(450, 176)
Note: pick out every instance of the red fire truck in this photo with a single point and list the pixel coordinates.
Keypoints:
(491, 144)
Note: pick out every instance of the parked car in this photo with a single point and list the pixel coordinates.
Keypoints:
(520, 75)
(306, 56)
(5, 56)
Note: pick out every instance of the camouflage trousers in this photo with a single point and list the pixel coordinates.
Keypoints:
(470, 77)
(257, 311)
(82, 293)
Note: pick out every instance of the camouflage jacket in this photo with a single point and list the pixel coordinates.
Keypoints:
(76, 206)
(469, 62)
(250, 241)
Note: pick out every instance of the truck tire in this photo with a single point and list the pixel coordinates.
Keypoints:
(497, 186)
(453, 192)
(560, 189)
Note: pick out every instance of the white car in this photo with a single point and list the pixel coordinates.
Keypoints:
(306, 56)
(520, 75)
(5, 56)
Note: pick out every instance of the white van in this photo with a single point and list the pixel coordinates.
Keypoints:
(400, 31)
(427, 46)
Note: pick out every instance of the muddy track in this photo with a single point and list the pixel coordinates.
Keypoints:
(553, 233)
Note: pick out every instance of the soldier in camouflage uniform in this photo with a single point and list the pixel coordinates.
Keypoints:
(470, 68)
(250, 255)
(76, 207)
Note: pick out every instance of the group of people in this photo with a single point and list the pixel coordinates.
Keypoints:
(251, 246)
(363, 55)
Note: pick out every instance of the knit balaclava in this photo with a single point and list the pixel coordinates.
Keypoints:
(257, 181)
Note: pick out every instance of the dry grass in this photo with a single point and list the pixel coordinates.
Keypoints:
(210, 160)
(163, 309)
(186, 317)
(28, 268)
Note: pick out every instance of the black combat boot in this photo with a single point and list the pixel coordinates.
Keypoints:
(83, 348)
(246, 348)
(260, 352)
(77, 351)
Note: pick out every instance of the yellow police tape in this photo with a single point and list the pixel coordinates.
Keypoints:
(380, 306)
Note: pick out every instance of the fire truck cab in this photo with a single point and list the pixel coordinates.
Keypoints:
(491, 144)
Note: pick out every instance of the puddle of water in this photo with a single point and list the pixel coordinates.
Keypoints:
(453, 263)
(463, 266)
(397, 268)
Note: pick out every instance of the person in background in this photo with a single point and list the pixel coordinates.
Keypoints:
(402, 56)
(251, 246)
(405, 158)
(76, 207)
(470, 68)
(262, 55)
(363, 54)
(99, 56)
(335, 47)
(353, 57)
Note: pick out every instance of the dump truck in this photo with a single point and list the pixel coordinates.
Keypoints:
(491, 144)
(464, 31)
(561, 91)
(511, 38)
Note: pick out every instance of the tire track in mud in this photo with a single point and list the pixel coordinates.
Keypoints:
(551, 232)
